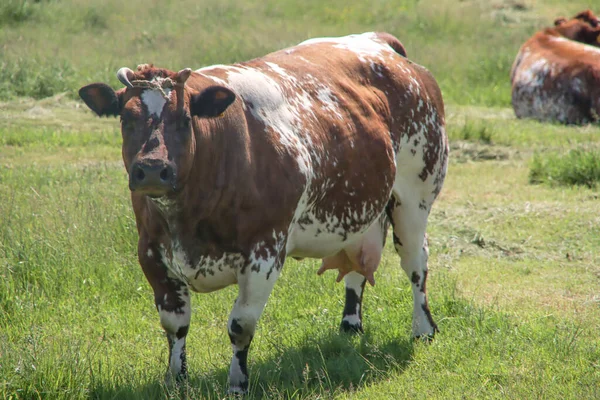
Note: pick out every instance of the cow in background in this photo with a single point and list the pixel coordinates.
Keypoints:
(556, 75)
(310, 151)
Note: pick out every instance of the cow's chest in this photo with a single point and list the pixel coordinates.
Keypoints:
(204, 274)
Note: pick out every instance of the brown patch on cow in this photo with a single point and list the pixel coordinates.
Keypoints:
(220, 95)
(415, 278)
(425, 308)
(583, 28)
(424, 283)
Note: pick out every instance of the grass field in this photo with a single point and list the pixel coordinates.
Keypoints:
(515, 245)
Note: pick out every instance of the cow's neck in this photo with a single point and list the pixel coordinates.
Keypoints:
(204, 217)
(201, 223)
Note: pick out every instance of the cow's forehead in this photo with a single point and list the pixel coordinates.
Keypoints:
(149, 102)
(154, 100)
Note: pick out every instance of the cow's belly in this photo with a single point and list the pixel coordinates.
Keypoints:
(540, 92)
(315, 237)
(555, 105)
(207, 274)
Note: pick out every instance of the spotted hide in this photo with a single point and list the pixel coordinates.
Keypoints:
(556, 75)
(311, 151)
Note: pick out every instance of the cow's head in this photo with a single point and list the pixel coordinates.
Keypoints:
(157, 113)
(583, 27)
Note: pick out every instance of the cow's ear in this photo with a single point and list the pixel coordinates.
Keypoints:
(102, 99)
(559, 21)
(587, 16)
(211, 102)
(589, 36)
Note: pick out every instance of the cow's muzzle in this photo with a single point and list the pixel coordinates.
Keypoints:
(154, 178)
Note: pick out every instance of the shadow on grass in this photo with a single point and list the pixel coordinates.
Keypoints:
(320, 366)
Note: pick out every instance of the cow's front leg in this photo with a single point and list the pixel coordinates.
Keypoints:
(255, 285)
(172, 300)
(174, 310)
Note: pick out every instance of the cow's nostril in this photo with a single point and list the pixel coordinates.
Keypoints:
(164, 174)
(140, 175)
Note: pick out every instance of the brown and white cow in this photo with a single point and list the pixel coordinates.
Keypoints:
(305, 152)
(556, 75)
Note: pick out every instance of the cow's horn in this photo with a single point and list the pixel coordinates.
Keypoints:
(124, 74)
(183, 75)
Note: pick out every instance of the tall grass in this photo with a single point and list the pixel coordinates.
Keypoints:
(35, 78)
(16, 11)
(62, 45)
(577, 167)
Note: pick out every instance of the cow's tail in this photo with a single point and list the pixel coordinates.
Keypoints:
(393, 42)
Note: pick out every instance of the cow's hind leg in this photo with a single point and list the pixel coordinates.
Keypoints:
(352, 317)
(409, 220)
(255, 286)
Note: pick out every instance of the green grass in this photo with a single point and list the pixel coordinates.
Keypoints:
(577, 167)
(53, 46)
(514, 276)
(513, 282)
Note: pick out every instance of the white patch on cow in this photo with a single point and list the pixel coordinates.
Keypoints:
(281, 71)
(354, 281)
(325, 236)
(205, 71)
(283, 114)
(577, 85)
(175, 363)
(223, 268)
(535, 75)
(584, 46)
(172, 321)
(209, 67)
(377, 68)
(365, 45)
(330, 101)
(154, 101)
(149, 253)
(236, 376)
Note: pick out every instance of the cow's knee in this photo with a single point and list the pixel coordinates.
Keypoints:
(241, 330)
(176, 322)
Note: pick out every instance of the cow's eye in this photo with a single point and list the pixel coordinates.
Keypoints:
(127, 124)
(184, 122)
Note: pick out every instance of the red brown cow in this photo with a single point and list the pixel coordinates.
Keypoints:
(306, 152)
(556, 75)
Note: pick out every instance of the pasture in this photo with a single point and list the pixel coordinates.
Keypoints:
(514, 237)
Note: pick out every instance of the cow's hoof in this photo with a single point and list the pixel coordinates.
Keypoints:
(424, 338)
(237, 392)
(174, 380)
(428, 337)
(352, 329)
